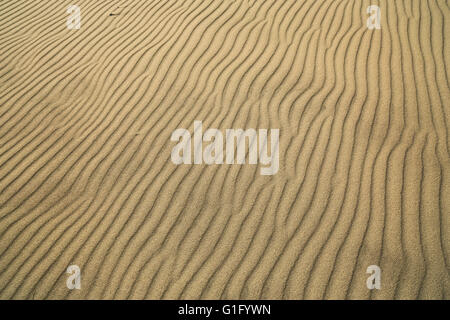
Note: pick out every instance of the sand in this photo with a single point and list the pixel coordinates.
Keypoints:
(86, 179)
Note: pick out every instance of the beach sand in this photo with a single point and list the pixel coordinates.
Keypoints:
(86, 177)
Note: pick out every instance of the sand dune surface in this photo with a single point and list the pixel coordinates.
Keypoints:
(86, 176)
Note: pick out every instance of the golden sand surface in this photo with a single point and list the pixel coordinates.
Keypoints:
(86, 177)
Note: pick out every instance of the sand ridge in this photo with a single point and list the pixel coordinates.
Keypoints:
(86, 177)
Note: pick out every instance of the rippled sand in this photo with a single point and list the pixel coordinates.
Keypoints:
(86, 176)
